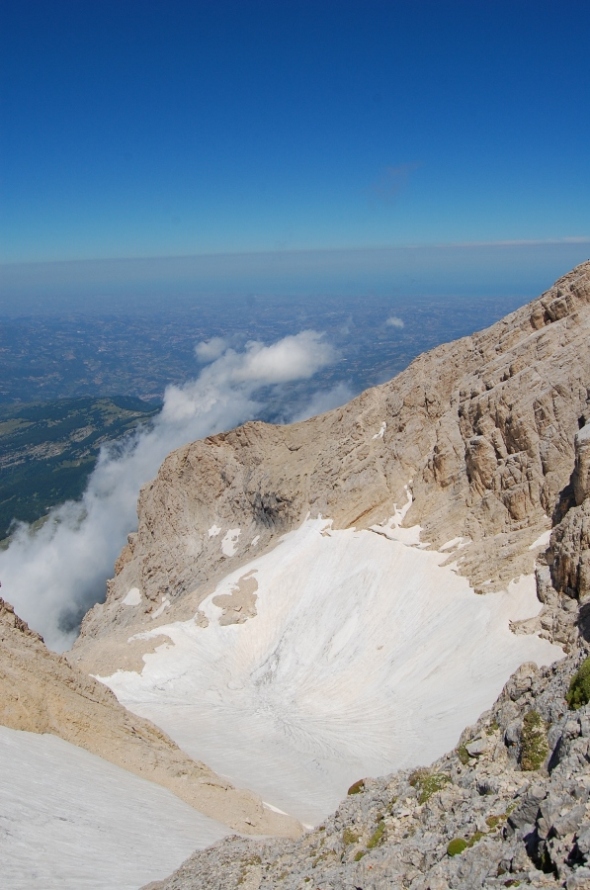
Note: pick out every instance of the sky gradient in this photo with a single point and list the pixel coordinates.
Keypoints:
(142, 129)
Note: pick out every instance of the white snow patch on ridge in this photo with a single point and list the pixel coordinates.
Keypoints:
(71, 821)
(367, 654)
(229, 545)
(542, 540)
(133, 598)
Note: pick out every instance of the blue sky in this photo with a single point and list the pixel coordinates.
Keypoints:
(142, 129)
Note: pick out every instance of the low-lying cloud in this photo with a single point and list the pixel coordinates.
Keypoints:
(54, 574)
(394, 322)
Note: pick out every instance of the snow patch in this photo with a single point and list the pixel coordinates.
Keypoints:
(392, 529)
(165, 605)
(229, 545)
(255, 540)
(379, 435)
(214, 531)
(133, 598)
(454, 544)
(70, 820)
(542, 540)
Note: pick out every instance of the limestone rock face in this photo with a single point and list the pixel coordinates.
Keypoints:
(481, 431)
(41, 692)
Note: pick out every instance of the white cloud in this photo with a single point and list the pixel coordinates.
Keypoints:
(209, 350)
(325, 400)
(394, 322)
(54, 574)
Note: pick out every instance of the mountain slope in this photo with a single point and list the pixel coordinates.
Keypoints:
(311, 586)
(41, 693)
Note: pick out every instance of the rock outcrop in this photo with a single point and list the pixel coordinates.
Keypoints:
(481, 430)
(41, 692)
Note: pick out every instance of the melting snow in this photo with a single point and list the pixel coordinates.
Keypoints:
(165, 605)
(229, 545)
(366, 655)
(542, 540)
(133, 598)
(71, 821)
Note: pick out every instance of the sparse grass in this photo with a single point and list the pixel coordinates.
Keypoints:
(349, 836)
(247, 864)
(494, 821)
(357, 787)
(533, 742)
(578, 694)
(492, 728)
(463, 754)
(359, 855)
(376, 837)
(459, 844)
(427, 783)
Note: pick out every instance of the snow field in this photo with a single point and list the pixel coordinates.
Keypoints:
(366, 655)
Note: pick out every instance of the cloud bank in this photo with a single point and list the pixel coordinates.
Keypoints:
(394, 322)
(53, 575)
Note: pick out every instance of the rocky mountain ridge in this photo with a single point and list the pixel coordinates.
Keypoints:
(481, 430)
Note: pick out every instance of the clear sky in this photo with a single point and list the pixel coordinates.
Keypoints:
(137, 128)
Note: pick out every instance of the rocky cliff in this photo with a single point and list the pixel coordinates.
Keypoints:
(481, 430)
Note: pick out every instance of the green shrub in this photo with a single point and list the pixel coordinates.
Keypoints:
(463, 754)
(358, 787)
(533, 741)
(578, 694)
(456, 846)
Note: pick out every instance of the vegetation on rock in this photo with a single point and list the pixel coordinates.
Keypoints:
(533, 741)
(579, 691)
(427, 783)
